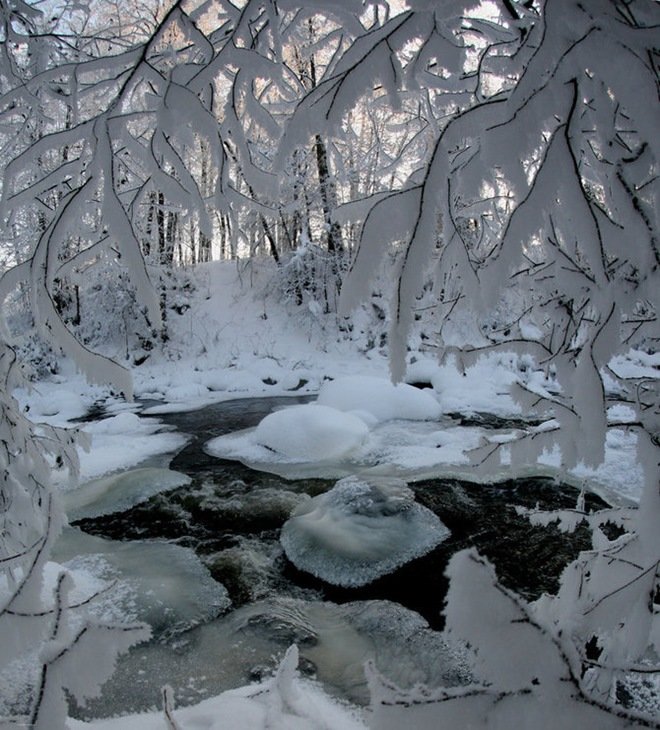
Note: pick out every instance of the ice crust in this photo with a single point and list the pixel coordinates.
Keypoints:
(379, 398)
(123, 441)
(334, 641)
(120, 492)
(360, 530)
(165, 585)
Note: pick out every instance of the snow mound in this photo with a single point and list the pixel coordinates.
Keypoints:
(485, 386)
(120, 492)
(118, 425)
(53, 404)
(380, 398)
(360, 530)
(311, 432)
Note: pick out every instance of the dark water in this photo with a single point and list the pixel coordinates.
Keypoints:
(229, 505)
(231, 516)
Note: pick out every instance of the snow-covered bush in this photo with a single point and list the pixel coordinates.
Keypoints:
(310, 276)
(111, 319)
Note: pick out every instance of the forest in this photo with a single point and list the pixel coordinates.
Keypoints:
(407, 217)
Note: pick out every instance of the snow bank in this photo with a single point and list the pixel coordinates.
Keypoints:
(120, 492)
(380, 398)
(311, 432)
(360, 530)
(483, 387)
(122, 441)
(55, 405)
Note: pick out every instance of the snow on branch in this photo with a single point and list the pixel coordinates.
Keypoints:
(523, 667)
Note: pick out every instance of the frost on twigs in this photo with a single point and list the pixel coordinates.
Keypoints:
(168, 708)
(523, 669)
(78, 659)
(72, 653)
(610, 596)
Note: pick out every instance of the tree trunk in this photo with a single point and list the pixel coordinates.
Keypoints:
(328, 198)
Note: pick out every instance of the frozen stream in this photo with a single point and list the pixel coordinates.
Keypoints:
(212, 537)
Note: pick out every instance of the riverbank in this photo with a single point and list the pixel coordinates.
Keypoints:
(234, 343)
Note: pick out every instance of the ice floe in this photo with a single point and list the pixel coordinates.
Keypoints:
(122, 441)
(162, 584)
(282, 702)
(360, 530)
(334, 642)
(120, 492)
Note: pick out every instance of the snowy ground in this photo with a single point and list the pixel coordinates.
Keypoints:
(236, 342)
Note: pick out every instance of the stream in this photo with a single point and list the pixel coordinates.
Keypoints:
(209, 574)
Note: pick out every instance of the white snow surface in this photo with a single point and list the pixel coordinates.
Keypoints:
(360, 530)
(311, 432)
(123, 441)
(379, 398)
(484, 386)
(53, 402)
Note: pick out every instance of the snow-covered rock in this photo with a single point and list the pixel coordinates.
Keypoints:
(311, 432)
(380, 398)
(360, 530)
